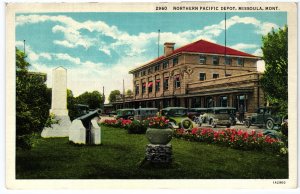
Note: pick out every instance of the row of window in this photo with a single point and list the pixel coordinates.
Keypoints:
(202, 77)
(216, 60)
(223, 101)
(155, 68)
(157, 85)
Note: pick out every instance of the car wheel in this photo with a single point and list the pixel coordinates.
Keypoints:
(270, 124)
(247, 123)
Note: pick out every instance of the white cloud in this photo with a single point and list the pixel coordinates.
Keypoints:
(244, 46)
(105, 50)
(258, 52)
(46, 56)
(66, 57)
(64, 43)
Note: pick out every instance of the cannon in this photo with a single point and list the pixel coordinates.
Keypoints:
(86, 121)
(85, 130)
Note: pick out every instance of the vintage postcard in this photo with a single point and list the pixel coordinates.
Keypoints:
(151, 95)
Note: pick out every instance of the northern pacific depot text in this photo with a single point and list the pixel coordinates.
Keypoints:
(216, 8)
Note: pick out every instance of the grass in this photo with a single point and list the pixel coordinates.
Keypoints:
(120, 154)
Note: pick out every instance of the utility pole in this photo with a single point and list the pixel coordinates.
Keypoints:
(123, 95)
(103, 97)
(158, 43)
(225, 48)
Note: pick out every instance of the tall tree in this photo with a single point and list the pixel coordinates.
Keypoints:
(129, 92)
(275, 78)
(93, 99)
(113, 95)
(32, 102)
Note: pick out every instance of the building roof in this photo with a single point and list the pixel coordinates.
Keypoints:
(202, 46)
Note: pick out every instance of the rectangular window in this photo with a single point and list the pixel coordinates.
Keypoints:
(240, 61)
(202, 59)
(157, 67)
(143, 88)
(137, 90)
(150, 70)
(157, 85)
(202, 76)
(175, 61)
(150, 86)
(166, 83)
(223, 101)
(177, 81)
(215, 75)
(136, 74)
(143, 72)
(228, 60)
(216, 60)
(165, 65)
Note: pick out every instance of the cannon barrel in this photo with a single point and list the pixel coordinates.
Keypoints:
(86, 119)
(90, 115)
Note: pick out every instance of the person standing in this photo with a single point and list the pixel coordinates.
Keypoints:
(241, 113)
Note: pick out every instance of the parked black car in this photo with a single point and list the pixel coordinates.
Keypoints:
(125, 114)
(264, 116)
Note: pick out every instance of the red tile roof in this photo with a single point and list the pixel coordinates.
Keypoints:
(203, 46)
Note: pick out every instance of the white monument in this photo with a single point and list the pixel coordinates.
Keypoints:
(59, 105)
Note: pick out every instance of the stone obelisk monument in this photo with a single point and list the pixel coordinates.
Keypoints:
(59, 105)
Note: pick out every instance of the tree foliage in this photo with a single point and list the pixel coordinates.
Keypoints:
(113, 95)
(129, 92)
(93, 99)
(275, 79)
(32, 102)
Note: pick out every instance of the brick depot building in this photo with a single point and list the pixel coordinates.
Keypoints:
(199, 74)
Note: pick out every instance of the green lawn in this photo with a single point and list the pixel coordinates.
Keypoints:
(120, 154)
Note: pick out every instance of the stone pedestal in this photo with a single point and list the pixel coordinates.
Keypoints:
(157, 153)
(78, 133)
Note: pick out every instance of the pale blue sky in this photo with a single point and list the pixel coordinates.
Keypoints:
(99, 49)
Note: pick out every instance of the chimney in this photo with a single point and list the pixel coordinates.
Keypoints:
(168, 48)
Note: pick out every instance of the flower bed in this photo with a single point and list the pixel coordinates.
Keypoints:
(117, 123)
(234, 138)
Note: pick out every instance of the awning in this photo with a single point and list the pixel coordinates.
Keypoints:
(176, 76)
(144, 84)
(157, 81)
(150, 84)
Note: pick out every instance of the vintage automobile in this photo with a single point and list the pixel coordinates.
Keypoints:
(193, 113)
(177, 117)
(144, 113)
(219, 116)
(264, 116)
(125, 114)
